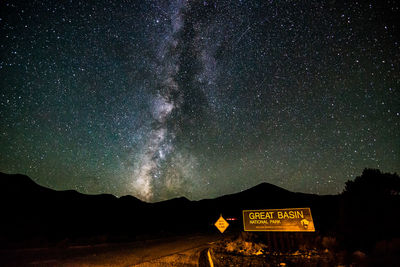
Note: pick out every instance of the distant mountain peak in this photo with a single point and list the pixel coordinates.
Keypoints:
(18, 183)
(264, 186)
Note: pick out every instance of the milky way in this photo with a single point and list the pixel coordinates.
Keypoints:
(168, 98)
(160, 99)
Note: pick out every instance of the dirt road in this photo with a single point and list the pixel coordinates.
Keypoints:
(173, 251)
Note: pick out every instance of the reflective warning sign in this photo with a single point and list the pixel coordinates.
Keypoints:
(221, 224)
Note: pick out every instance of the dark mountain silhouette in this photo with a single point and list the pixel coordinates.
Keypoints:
(31, 211)
(39, 216)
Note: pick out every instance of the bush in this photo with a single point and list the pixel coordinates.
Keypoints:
(373, 182)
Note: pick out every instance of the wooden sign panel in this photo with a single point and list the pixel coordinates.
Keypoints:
(279, 220)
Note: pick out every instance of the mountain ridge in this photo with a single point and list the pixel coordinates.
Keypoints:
(36, 215)
(24, 180)
(32, 211)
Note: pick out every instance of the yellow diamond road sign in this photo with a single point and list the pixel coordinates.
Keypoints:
(221, 224)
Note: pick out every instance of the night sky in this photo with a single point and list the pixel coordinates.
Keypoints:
(160, 99)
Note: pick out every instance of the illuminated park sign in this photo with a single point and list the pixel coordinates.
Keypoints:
(279, 220)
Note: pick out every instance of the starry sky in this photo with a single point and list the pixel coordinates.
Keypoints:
(160, 99)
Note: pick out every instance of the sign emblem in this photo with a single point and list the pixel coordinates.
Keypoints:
(221, 224)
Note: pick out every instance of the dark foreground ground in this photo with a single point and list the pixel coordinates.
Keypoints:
(171, 251)
(229, 249)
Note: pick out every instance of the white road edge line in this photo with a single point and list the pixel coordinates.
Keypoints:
(209, 258)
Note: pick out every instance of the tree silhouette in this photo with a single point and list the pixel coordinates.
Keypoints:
(373, 182)
(369, 208)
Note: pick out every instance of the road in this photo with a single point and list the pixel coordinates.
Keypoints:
(187, 250)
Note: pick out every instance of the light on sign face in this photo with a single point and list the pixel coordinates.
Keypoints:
(279, 220)
(221, 224)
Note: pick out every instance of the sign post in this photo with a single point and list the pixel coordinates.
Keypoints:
(278, 220)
